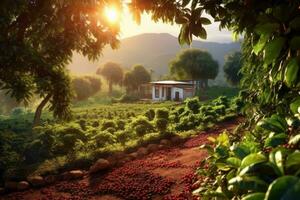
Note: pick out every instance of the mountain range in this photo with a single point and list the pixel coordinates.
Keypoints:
(154, 51)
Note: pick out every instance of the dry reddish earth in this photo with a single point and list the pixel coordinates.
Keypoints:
(163, 175)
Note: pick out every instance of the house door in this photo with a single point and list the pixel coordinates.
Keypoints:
(176, 96)
(168, 93)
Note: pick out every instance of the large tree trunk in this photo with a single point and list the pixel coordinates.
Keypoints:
(39, 109)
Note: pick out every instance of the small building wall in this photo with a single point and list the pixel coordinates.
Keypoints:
(173, 93)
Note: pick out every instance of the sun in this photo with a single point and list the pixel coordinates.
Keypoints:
(111, 14)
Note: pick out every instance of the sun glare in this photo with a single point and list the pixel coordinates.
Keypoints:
(111, 14)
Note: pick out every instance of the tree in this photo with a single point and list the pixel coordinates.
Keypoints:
(194, 64)
(137, 76)
(37, 40)
(271, 83)
(113, 73)
(232, 67)
(85, 86)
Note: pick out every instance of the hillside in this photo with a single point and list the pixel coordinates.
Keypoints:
(152, 50)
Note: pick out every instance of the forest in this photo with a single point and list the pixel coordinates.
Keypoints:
(95, 136)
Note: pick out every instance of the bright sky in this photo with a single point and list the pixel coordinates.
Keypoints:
(130, 28)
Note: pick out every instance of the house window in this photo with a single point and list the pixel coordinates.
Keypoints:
(156, 92)
(163, 92)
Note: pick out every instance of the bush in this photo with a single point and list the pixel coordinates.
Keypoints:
(103, 138)
(108, 124)
(126, 98)
(121, 124)
(123, 136)
(142, 121)
(18, 111)
(161, 124)
(193, 104)
(162, 113)
(150, 114)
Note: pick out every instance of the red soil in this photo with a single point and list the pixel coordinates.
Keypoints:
(164, 175)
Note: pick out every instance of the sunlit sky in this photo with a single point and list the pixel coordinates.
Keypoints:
(130, 28)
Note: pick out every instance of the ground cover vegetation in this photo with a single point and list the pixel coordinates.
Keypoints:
(100, 130)
(260, 161)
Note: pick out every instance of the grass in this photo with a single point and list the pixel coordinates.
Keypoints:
(216, 91)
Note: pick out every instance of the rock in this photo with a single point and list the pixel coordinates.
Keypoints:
(124, 160)
(160, 146)
(101, 164)
(142, 151)
(50, 179)
(134, 155)
(112, 160)
(2, 190)
(74, 174)
(23, 185)
(165, 142)
(152, 147)
(36, 181)
(176, 140)
(11, 185)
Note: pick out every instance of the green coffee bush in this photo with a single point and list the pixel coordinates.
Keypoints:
(103, 138)
(162, 113)
(150, 114)
(108, 124)
(193, 104)
(161, 124)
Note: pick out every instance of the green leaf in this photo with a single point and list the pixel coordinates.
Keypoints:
(276, 157)
(199, 31)
(284, 188)
(291, 73)
(276, 140)
(295, 43)
(275, 123)
(249, 183)
(266, 28)
(221, 151)
(293, 161)
(205, 21)
(273, 49)
(254, 196)
(241, 151)
(181, 20)
(295, 105)
(234, 162)
(252, 159)
(260, 44)
(295, 140)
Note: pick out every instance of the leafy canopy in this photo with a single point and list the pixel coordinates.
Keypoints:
(136, 76)
(194, 64)
(232, 67)
(37, 40)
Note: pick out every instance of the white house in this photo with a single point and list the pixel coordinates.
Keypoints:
(169, 90)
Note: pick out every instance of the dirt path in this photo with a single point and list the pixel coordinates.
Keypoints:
(164, 175)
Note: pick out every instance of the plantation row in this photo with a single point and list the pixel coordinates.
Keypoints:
(100, 131)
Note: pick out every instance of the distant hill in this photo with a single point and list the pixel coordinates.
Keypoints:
(152, 50)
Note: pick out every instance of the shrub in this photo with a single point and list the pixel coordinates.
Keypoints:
(111, 130)
(126, 98)
(121, 124)
(123, 136)
(150, 114)
(193, 104)
(162, 113)
(161, 124)
(220, 109)
(103, 138)
(142, 121)
(85, 87)
(140, 130)
(18, 111)
(108, 124)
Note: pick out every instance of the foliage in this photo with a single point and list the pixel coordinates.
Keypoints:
(85, 86)
(38, 40)
(194, 64)
(137, 76)
(271, 79)
(112, 72)
(232, 68)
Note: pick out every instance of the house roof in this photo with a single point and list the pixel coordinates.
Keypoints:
(171, 82)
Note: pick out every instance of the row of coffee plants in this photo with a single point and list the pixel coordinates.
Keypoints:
(92, 134)
(264, 165)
